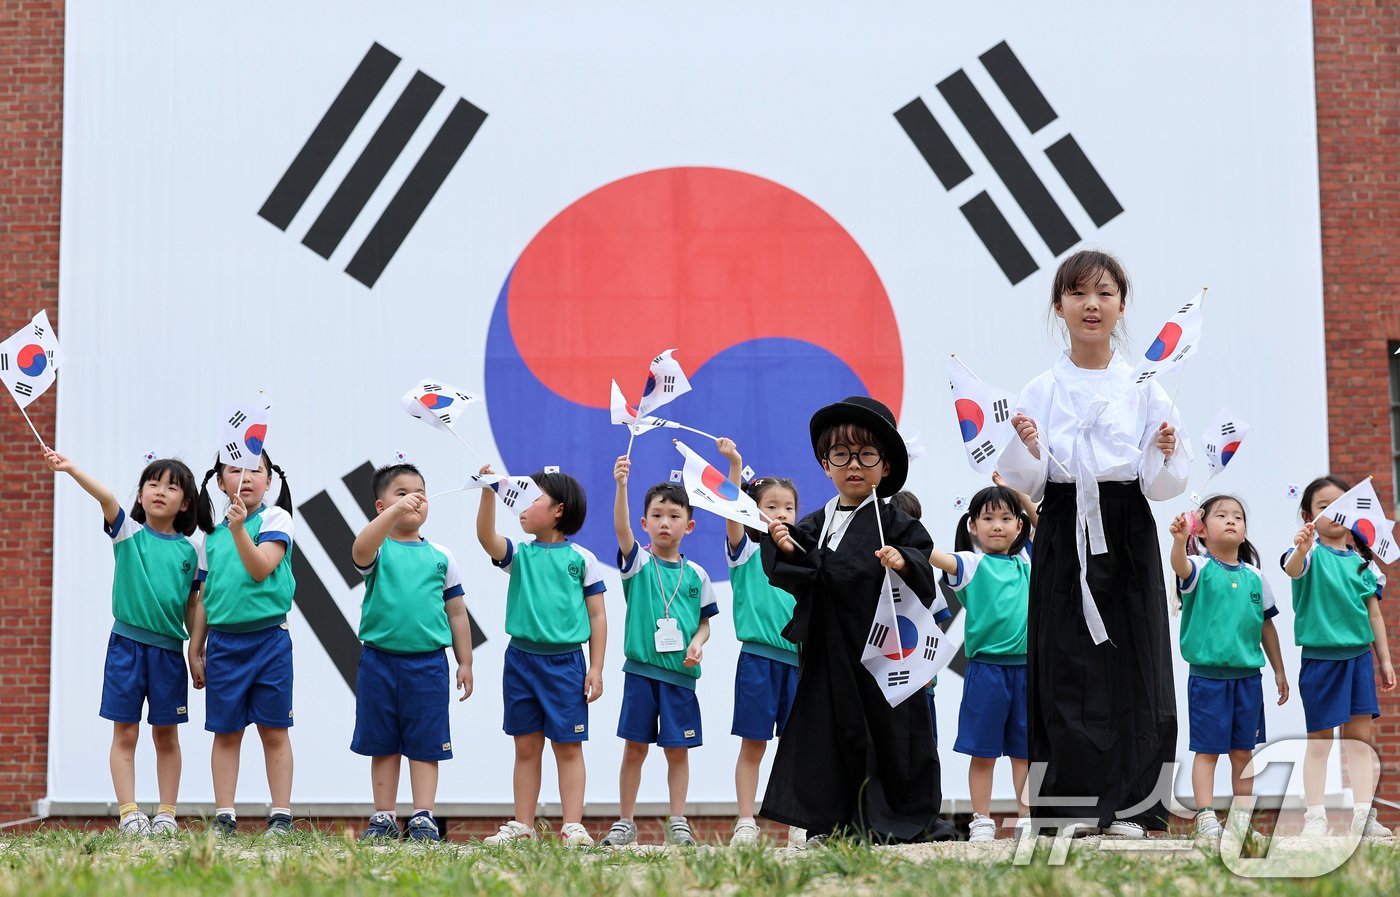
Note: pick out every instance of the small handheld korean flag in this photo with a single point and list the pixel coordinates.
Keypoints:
(243, 432)
(437, 403)
(1177, 341)
(712, 491)
(1222, 439)
(913, 649)
(1359, 510)
(625, 414)
(516, 493)
(28, 361)
(984, 416)
(665, 382)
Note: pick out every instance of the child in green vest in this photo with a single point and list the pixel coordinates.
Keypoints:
(155, 582)
(990, 571)
(1227, 629)
(413, 608)
(1338, 623)
(239, 643)
(669, 605)
(765, 679)
(554, 604)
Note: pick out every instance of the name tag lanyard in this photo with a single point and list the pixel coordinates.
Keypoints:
(660, 588)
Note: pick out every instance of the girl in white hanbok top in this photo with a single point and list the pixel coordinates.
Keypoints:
(1095, 444)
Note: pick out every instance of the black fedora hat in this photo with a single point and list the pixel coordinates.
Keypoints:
(879, 420)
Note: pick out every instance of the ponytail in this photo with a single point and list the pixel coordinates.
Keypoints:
(204, 507)
(962, 539)
(284, 494)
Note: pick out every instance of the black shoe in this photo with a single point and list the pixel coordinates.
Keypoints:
(225, 825)
(279, 825)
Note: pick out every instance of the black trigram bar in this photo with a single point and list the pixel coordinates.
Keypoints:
(896, 594)
(1362, 501)
(1016, 84)
(233, 452)
(930, 647)
(369, 169)
(418, 189)
(24, 388)
(360, 482)
(4, 361)
(1145, 376)
(983, 451)
(899, 677)
(238, 418)
(1227, 428)
(39, 331)
(1001, 241)
(933, 144)
(1341, 519)
(333, 533)
(327, 622)
(1010, 165)
(1084, 180)
(329, 137)
(877, 634)
(1000, 410)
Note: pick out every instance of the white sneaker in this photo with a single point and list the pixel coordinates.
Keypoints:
(982, 828)
(1080, 830)
(164, 824)
(678, 832)
(622, 834)
(1367, 826)
(136, 823)
(510, 833)
(1208, 825)
(745, 832)
(573, 834)
(1315, 824)
(1128, 830)
(797, 837)
(1023, 828)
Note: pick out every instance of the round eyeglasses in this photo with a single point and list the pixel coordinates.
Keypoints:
(841, 456)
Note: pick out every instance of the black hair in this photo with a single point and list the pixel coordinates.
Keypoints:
(909, 503)
(672, 492)
(1080, 268)
(388, 473)
(179, 472)
(758, 487)
(848, 434)
(565, 490)
(1305, 509)
(1248, 553)
(206, 505)
(993, 497)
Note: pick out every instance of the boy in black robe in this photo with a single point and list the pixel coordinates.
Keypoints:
(848, 762)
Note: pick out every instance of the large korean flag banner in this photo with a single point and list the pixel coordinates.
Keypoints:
(324, 200)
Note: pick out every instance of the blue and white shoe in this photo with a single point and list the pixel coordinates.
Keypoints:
(423, 827)
(381, 825)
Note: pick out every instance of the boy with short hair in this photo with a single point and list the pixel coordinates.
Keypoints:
(669, 603)
(413, 608)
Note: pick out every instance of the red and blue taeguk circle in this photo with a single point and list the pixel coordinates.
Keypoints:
(773, 308)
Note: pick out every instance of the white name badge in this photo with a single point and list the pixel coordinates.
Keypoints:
(668, 636)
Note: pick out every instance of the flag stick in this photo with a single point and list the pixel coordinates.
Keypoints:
(44, 445)
(468, 447)
(444, 492)
(1182, 376)
(695, 431)
(633, 430)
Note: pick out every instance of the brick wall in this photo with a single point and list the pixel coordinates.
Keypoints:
(1358, 110)
(31, 147)
(1357, 49)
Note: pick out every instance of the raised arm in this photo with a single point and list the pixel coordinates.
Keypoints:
(733, 530)
(377, 530)
(494, 543)
(622, 523)
(258, 559)
(110, 506)
(1031, 508)
(1298, 559)
(1181, 565)
(944, 561)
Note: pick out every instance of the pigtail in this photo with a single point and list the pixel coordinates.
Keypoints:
(204, 507)
(1249, 554)
(962, 538)
(1364, 550)
(284, 494)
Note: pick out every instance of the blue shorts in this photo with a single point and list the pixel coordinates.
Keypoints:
(1226, 714)
(932, 716)
(248, 679)
(1336, 690)
(992, 719)
(763, 692)
(401, 705)
(136, 674)
(656, 712)
(544, 693)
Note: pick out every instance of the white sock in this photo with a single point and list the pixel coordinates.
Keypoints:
(284, 811)
(417, 810)
(226, 811)
(1317, 810)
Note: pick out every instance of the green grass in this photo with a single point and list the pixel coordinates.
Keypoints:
(81, 863)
